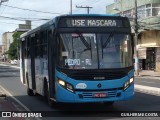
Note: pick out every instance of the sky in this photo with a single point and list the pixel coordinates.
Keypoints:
(51, 8)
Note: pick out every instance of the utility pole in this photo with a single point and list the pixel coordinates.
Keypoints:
(88, 8)
(71, 7)
(135, 40)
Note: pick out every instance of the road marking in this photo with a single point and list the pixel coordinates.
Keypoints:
(19, 102)
(147, 89)
(148, 77)
(17, 67)
(146, 81)
(15, 74)
(27, 109)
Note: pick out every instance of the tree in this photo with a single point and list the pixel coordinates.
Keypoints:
(13, 52)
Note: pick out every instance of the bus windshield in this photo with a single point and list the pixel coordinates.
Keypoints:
(94, 50)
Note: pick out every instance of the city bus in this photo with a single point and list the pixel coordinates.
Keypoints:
(79, 58)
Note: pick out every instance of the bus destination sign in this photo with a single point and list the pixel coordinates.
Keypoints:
(92, 22)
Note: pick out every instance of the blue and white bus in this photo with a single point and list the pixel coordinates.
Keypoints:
(79, 59)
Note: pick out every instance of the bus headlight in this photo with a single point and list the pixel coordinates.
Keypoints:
(128, 83)
(66, 85)
(131, 80)
(61, 82)
(69, 87)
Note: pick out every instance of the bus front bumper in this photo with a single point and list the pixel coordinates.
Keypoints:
(63, 95)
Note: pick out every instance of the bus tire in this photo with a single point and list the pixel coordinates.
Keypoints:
(45, 89)
(109, 103)
(47, 96)
(29, 91)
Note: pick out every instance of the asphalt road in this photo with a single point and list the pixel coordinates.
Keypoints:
(148, 82)
(10, 80)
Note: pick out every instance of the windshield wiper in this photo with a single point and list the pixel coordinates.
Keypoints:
(108, 40)
(86, 44)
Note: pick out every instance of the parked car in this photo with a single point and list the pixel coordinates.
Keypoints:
(14, 62)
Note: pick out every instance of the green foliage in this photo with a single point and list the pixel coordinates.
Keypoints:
(14, 47)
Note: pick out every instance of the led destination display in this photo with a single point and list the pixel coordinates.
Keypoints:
(93, 22)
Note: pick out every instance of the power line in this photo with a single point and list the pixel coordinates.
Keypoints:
(83, 2)
(90, 2)
(9, 23)
(3, 8)
(29, 9)
(93, 1)
(13, 23)
(23, 19)
(88, 7)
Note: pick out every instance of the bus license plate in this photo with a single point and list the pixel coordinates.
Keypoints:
(100, 95)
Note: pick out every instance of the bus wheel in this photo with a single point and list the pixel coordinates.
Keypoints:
(52, 103)
(45, 89)
(30, 92)
(109, 103)
(47, 96)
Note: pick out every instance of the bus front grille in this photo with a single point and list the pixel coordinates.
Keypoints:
(96, 74)
(91, 94)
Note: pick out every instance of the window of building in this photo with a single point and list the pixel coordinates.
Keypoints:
(148, 12)
(141, 12)
(156, 5)
(128, 14)
(148, 6)
(156, 9)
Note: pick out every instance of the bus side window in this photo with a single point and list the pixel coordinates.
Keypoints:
(37, 46)
(27, 48)
(44, 44)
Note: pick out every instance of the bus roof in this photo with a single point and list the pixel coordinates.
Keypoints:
(50, 22)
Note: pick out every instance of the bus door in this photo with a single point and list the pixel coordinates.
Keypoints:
(22, 53)
(32, 52)
(51, 62)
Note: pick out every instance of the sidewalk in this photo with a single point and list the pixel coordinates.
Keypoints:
(7, 104)
(148, 74)
(8, 64)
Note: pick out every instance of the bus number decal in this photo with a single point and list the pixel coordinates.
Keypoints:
(81, 86)
(72, 62)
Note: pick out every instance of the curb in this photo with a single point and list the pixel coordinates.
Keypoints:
(17, 67)
(147, 89)
(148, 77)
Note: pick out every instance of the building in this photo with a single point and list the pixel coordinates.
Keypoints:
(7, 37)
(24, 27)
(0, 51)
(148, 14)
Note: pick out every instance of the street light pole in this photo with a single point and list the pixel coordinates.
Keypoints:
(88, 8)
(71, 7)
(136, 41)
